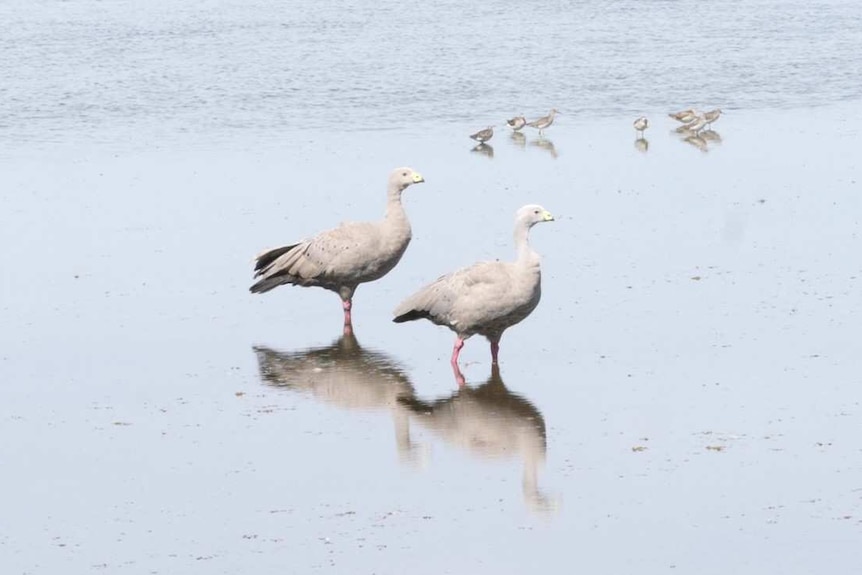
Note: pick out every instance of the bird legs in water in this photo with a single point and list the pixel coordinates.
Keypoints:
(456, 351)
(459, 377)
(495, 349)
(348, 323)
(459, 343)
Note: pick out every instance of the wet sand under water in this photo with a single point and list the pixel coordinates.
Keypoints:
(685, 396)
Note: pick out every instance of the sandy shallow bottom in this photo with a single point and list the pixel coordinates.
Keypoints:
(684, 399)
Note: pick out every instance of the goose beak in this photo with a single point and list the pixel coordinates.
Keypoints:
(417, 178)
(547, 217)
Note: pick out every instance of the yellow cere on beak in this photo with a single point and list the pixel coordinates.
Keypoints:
(417, 178)
(547, 217)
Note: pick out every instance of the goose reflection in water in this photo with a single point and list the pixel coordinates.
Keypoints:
(491, 422)
(346, 375)
(545, 144)
(484, 149)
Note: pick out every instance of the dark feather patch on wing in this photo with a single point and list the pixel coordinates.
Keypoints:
(411, 315)
(265, 259)
(267, 284)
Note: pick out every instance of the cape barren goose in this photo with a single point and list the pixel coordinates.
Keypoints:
(342, 258)
(486, 298)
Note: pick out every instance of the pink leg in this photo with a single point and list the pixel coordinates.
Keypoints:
(456, 351)
(347, 304)
(459, 377)
(495, 349)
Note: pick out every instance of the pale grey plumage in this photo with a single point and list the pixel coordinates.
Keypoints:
(712, 116)
(483, 136)
(351, 254)
(684, 116)
(517, 122)
(486, 298)
(696, 124)
(544, 121)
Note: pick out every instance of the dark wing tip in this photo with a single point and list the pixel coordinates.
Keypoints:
(266, 258)
(411, 315)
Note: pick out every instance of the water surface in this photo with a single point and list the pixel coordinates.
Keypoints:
(209, 71)
(684, 399)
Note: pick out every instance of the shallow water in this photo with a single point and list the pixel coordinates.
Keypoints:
(684, 398)
(126, 73)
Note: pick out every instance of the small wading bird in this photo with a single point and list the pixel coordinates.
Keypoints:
(486, 298)
(684, 116)
(712, 116)
(641, 124)
(696, 125)
(340, 259)
(544, 121)
(483, 136)
(517, 122)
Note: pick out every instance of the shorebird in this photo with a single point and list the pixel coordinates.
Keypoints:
(712, 116)
(544, 121)
(641, 124)
(684, 116)
(483, 136)
(696, 125)
(517, 122)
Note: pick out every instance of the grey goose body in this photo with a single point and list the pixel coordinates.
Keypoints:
(486, 298)
(341, 259)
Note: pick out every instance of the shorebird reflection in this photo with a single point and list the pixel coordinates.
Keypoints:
(711, 136)
(346, 375)
(484, 149)
(698, 142)
(699, 139)
(545, 144)
(492, 422)
(642, 145)
(519, 139)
